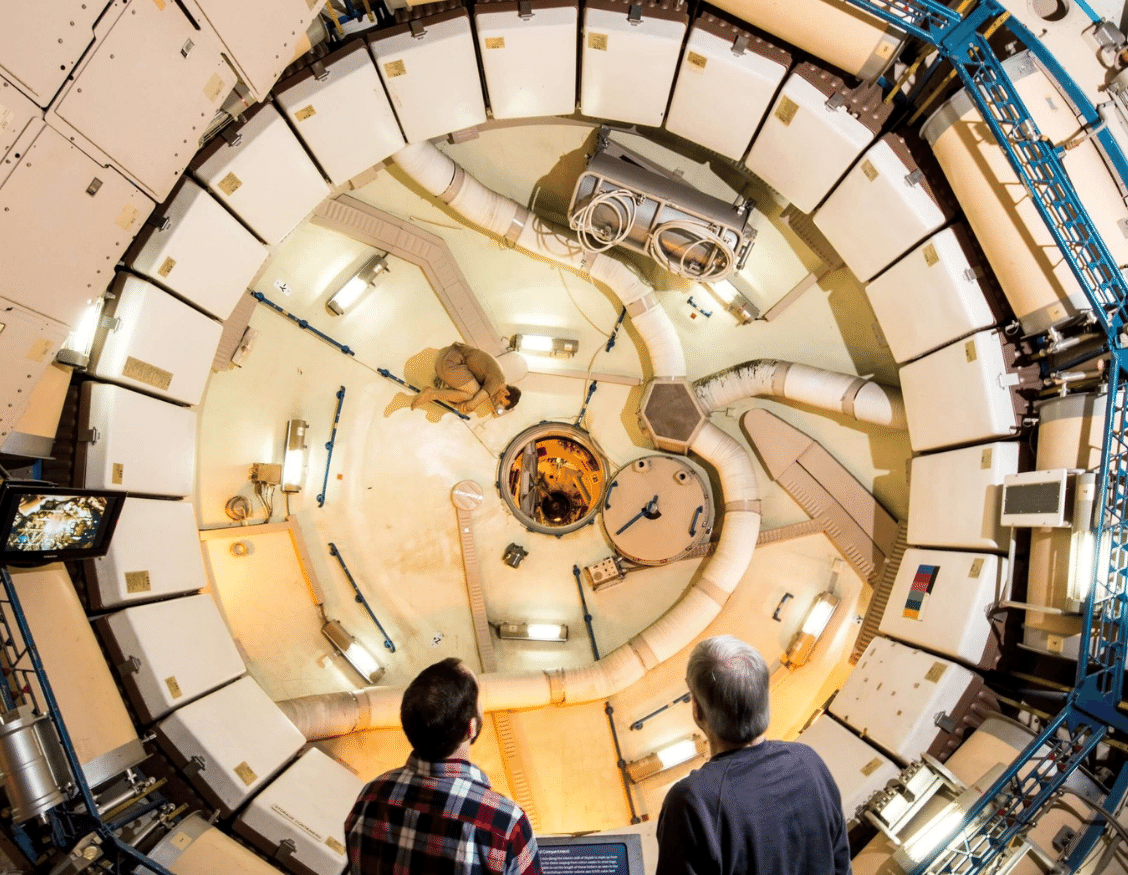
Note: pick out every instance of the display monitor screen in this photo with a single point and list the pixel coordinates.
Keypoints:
(40, 523)
(591, 855)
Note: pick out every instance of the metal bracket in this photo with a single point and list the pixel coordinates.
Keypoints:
(524, 9)
(320, 71)
(231, 136)
(740, 45)
(946, 722)
(109, 323)
(634, 14)
(88, 436)
(95, 184)
(836, 101)
(194, 766)
(161, 223)
(285, 850)
(417, 29)
(1122, 224)
(1064, 840)
(972, 274)
(914, 178)
(130, 666)
(186, 49)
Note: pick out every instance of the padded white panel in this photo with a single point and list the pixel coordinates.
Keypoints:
(241, 736)
(206, 256)
(628, 69)
(38, 49)
(969, 377)
(314, 822)
(720, 97)
(877, 193)
(161, 345)
(195, 847)
(141, 98)
(61, 243)
(142, 444)
(182, 647)
(432, 80)
(955, 497)
(946, 609)
(17, 113)
(929, 298)
(804, 148)
(155, 553)
(345, 119)
(266, 179)
(28, 343)
(530, 63)
(894, 694)
(858, 768)
(261, 36)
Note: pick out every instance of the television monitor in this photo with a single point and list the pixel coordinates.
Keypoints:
(591, 854)
(40, 523)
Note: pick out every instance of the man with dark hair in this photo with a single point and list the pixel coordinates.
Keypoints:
(471, 376)
(437, 814)
(757, 807)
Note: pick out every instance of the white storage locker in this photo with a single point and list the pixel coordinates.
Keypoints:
(970, 377)
(529, 59)
(195, 847)
(630, 54)
(343, 116)
(858, 768)
(28, 343)
(726, 82)
(38, 48)
(266, 177)
(169, 653)
(205, 256)
(314, 822)
(143, 95)
(430, 69)
(956, 497)
(64, 222)
(886, 189)
(134, 442)
(233, 740)
(155, 553)
(932, 296)
(157, 344)
(941, 600)
(805, 146)
(261, 36)
(910, 702)
(17, 114)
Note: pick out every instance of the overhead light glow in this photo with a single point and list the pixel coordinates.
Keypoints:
(355, 653)
(356, 286)
(533, 631)
(677, 753)
(544, 344)
(293, 462)
(76, 349)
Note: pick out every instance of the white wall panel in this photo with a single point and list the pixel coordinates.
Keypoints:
(28, 343)
(859, 769)
(17, 114)
(195, 847)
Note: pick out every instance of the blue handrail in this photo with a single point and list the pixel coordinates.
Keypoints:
(333, 551)
(329, 446)
(301, 323)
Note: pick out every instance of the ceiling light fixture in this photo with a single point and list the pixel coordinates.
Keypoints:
(357, 285)
(667, 756)
(75, 350)
(734, 301)
(814, 624)
(533, 631)
(355, 653)
(543, 344)
(293, 462)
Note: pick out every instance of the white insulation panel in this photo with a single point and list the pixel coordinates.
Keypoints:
(433, 79)
(721, 96)
(143, 96)
(28, 343)
(64, 221)
(969, 376)
(195, 847)
(17, 114)
(894, 694)
(266, 178)
(941, 599)
(155, 553)
(858, 768)
(879, 192)
(804, 148)
(242, 737)
(139, 443)
(160, 345)
(345, 119)
(956, 496)
(205, 256)
(274, 814)
(629, 67)
(530, 63)
(181, 649)
(929, 298)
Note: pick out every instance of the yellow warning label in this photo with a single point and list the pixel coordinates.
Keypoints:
(180, 840)
(786, 110)
(229, 184)
(969, 351)
(173, 688)
(869, 170)
(137, 581)
(335, 845)
(696, 60)
(213, 88)
(597, 41)
(166, 267)
(392, 69)
(976, 567)
(39, 350)
(305, 112)
(936, 672)
(143, 372)
(872, 766)
(985, 459)
(118, 473)
(246, 773)
(127, 217)
(160, 4)
(930, 256)
(495, 42)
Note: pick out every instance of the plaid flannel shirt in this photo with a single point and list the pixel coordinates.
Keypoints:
(438, 818)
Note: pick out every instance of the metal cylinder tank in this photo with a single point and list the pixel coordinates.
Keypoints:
(31, 763)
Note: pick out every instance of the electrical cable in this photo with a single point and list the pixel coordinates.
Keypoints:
(622, 207)
(1109, 817)
(717, 263)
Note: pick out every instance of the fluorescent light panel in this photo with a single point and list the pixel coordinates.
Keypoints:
(533, 631)
(356, 286)
(545, 344)
(355, 653)
(293, 462)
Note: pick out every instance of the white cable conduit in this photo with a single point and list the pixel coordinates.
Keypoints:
(854, 396)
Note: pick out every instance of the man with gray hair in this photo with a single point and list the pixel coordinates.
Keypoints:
(757, 807)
